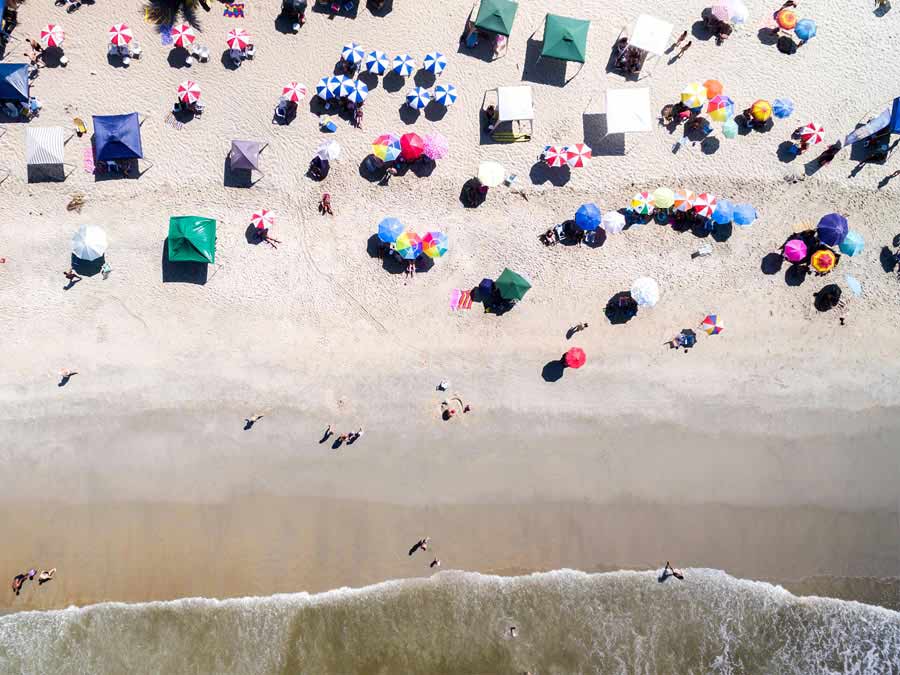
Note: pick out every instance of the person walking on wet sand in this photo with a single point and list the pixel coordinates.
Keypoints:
(681, 38)
(328, 434)
(73, 277)
(681, 51)
(45, 576)
(65, 375)
(18, 581)
(421, 544)
(250, 421)
(355, 436)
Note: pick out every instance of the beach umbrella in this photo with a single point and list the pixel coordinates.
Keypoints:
(587, 217)
(329, 150)
(188, 92)
(694, 95)
(853, 243)
(183, 35)
(705, 204)
(326, 88)
(723, 212)
(491, 174)
(238, 38)
(511, 286)
(720, 108)
(577, 155)
(377, 62)
(613, 222)
(832, 229)
(823, 261)
(713, 88)
(730, 129)
(783, 107)
(120, 34)
(575, 357)
(712, 324)
(408, 245)
(386, 147)
(352, 52)
(645, 292)
(434, 244)
(445, 94)
(761, 110)
(721, 13)
(738, 11)
(663, 198)
(812, 133)
(642, 203)
(404, 65)
(293, 91)
(684, 200)
(262, 219)
(411, 146)
(786, 18)
(418, 98)
(854, 285)
(795, 250)
(52, 35)
(743, 215)
(434, 62)
(805, 29)
(346, 85)
(390, 229)
(554, 156)
(436, 146)
(89, 242)
(359, 91)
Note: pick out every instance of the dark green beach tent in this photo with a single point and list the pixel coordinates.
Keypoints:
(192, 239)
(565, 39)
(511, 286)
(496, 16)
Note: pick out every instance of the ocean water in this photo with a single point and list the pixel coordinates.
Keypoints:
(457, 623)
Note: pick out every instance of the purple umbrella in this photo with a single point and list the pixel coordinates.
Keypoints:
(832, 229)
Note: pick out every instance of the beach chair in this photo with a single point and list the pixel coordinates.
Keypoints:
(135, 50)
(251, 51)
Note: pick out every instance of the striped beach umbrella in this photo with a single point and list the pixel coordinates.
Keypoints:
(712, 324)
(434, 244)
(52, 35)
(188, 92)
(377, 62)
(445, 94)
(237, 38)
(353, 53)
(262, 219)
(326, 88)
(386, 147)
(120, 34)
(720, 108)
(344, 85)
(823, 261)
(642, 203)
(663, 198)
(404, 65)
(694, 95)
(434, 62)
(684, 200)
(389, 229)
(183, 35)
(705, 204)
(294, 91)
(812, 133)
(359, 92)
(554, 156)
(418, 98)
(408, 245)
(761, 110)
(786, 18)
(436, 146)
(577, 155)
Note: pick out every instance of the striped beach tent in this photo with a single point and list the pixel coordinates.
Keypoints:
(45, 152)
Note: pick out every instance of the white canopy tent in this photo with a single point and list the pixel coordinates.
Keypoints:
(514, 104)
(651, 34)
(628, 110)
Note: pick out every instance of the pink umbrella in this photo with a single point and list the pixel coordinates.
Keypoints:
(705, 204)
(238, 38)
(795, 250)
(52, 35)
(293, 91)
(554, 156)
(120, 34)
(183, 36)
(262, 219)
(189, 92)
(436, 146)
(577, 155)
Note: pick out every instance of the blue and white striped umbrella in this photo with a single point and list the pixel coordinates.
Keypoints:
(345, 85)
(359, 93)
(434, 62)
(377, 62)
(352, 52)
(326, 88)
(404, 65)
(418, 98)
(445, 94)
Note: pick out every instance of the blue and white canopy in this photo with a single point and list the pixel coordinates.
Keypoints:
(359, 93)
(377, 62)
(418, 98)
(345, 85)
(445, 94)
(352, 52)
(327, 87)
(434, 62)
(404, 65)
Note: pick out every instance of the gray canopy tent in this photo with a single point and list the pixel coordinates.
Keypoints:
(45, 153)
(244, 156)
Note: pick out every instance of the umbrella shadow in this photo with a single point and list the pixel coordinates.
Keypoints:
(887, 260)
(787, 152)
(540, 173)
(435, 112)
(621, 308)
(228, 62)
(424, 78)
(392, 82)
(390, 262)
(423, 167)
(177, 57)
(408, 114)
(182, 272)
(553, 370)
(699, 29)
(383, 11)
(87, 268)
(470, 196)
(710, 145)
(795, 275)
(827, 298)
(369, 79)
(771, 263)
(786, 45)
(767, 35)
(372, 169)
(251, 234)
(284, 24)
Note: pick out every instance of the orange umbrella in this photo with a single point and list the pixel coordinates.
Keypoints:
(786, 18)
(713, 88)
(761, 110)
(823, 261)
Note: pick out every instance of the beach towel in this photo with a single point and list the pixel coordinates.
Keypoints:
(172, 122)
(89, 160)
(460, 299)
(234, 10)
(165, 35)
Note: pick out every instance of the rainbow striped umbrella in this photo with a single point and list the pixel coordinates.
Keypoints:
(188, 92)
(52, 35)
(705, 204)
(418, 98)
(642, 203)
(404, 65)
(182, 36)
(434, 62)
(120, 34)
(293, 91)
(408, 245)
(694, 95)
(554, 156)
(445, 94)
(352, 52)
(262, 219)
(386, 147)
(712, 324)
(761, 110)
(684, 200)
(812, 133)
(238, 38)
(720, 108)
(377, 62)
(577, 155)
(434, 244)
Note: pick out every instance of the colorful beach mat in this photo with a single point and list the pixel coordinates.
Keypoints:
(234, 10)
(460, 299)
(172, 122)
(88, 160)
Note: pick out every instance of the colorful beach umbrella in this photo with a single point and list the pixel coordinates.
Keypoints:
(786, 18)
(377, 62)
(445, 94)
(390, 229)
(663, 198)
(738, 11)
(359, 91)
(783, 107)
(418, 98)
(89, 242)
(408, 245)
(805, 29)
(434, 244)
(120, 34)
(853, 243)
(294, 91)
(577, 155)
(684, 200)
(724, 212)
(613, 222)
(744, 215)
(823, 261)
(832, 229)
(575, 357)
(511, 286)
(352, 52)
(812, 133)
(720, 108)
(705, 205)
(52, 35)
(189, 92)
(713, 88)
(795, 250)
(642, 203)
(411, 146)
(554, 156)
(761, 110)
(386, 147)
(730, 129)
(262, 219)
(694, 95)
(238, 38)
(645, 292)
(436, 146)
(434, 62)
(329, 150)
(587, 217)
(490, 173)
(183, 35)
(712, 324)
(404, 65)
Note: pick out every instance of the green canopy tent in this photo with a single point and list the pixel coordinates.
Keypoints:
(511, 286)
(565, 38)
(192, 239)
(496, 16)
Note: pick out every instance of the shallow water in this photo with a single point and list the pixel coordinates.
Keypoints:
(458, 623)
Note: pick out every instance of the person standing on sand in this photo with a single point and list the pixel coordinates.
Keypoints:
(683, 49)
(421, 544)
(18, 581)
(65, 375)
(328, 433)
(355, 436)
(73, 278)
(250, 421)
(677, 42)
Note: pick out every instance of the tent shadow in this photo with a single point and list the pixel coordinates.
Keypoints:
(39, 173)
(182, 272)
(540, 173)
(771, 263)
(553, 370)
(483, 51)
(620, 308)
(542, 70)
(386, 8)
(236, 178)
(597, 137)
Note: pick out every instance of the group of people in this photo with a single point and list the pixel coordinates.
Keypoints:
(422, 545)
(348, 438)
(43, 577)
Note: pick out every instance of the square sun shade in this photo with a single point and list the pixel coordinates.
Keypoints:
(628, 110)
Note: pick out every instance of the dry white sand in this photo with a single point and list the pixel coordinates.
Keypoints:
(768, 449)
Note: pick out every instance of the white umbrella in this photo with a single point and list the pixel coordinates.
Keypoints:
(613, 222)
(329, 150)
(645, 292)
(491, 174)
(89, 243)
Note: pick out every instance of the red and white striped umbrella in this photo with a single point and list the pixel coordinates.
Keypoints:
(705, 204)
(554, 156)
(262, 219)
(812, 133)
(120, 34)
(294, 91)
(52, 35)
(183, 36)
(577, 155)
(238, 38)
(189, 91)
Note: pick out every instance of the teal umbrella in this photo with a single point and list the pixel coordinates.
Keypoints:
(853, 243)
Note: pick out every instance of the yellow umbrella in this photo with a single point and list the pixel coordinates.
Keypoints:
(663, 198)
(823, 261)
(694, 95)
(761, 110)
(491, 174)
